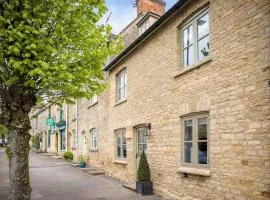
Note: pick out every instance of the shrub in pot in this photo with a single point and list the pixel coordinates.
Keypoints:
(144, 185)
(83, 161)
(68, 156)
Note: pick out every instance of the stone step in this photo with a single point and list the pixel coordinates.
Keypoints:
(130, 186)
(96, 172)
(57, 157)
(74, 164)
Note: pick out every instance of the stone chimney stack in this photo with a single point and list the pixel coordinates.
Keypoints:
(154, 6)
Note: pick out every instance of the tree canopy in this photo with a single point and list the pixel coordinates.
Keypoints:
(54, 49)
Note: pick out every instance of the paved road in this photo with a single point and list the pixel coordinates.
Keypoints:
(53, 179)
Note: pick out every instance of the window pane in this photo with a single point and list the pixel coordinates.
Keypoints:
(202, 152)
(118, 151)
(118, 139)
(203, 47)
(188, 56)
(203, 26)
(188, 130)
(202, 128)
(188, 40)
(188, 152)
(140, 149)
(124, 151)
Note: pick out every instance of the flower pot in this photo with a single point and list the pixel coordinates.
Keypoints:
(82, 164)
(145, 188)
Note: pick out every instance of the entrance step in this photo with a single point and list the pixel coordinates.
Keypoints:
(74, 164)
(57, 157)
(48, 154)
(130, 186)
(96, 172)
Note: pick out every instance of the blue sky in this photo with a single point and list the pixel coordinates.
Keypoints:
(123, 12)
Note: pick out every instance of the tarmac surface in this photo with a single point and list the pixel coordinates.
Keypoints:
(55, 179)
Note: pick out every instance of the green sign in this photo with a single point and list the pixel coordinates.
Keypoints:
(50, 122)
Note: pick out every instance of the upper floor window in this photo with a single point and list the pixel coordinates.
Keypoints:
(122, 85)
(143, 27)
(74, 113)
(74, 138)
(94, 139)
(94, 99)
(195, 146)
(121, 144)
(195, 39)
(61, 113)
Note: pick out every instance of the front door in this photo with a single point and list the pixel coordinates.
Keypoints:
(141, 144)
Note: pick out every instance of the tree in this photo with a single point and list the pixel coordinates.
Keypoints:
(144, 170)
(52, 50)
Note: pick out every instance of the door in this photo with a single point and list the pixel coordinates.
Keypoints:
(141, 144)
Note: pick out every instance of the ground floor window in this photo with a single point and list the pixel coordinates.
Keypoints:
(94, 139)
(62, 140)
(195, 134)
(49, 138)
(121, 144)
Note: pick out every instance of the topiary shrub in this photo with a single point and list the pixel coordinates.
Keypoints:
(68, 155)
(143, 174)
(35, 141)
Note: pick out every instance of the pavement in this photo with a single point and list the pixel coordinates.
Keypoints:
(55, 179)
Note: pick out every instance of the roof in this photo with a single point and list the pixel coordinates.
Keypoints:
(156, 26)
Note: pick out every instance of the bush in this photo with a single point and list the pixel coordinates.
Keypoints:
(68, 155)
(143, 171)
(83, 158)
(35, 142)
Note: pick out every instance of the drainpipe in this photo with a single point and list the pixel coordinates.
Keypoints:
(77, 138)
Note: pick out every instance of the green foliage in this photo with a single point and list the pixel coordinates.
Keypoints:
(35, 142)
(143, 174)
(68, 155)
(83, 158)
(3, 130)
(8, 153)
(55, 49)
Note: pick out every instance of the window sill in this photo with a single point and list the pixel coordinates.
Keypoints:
(195, 171)
(92, 105)
(195, 66)
(120, 102)
(123, 162)
(93, 150)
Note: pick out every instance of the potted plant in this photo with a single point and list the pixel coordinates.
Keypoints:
(144, 185)
(83, 161)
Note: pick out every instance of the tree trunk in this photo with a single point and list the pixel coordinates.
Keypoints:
(18, 152)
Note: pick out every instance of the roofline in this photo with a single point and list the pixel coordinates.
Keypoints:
(157, 16)
(152, 29)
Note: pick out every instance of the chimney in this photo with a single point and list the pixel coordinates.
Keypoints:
(155, 6)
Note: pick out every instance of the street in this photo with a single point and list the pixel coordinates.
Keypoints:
(54, 179)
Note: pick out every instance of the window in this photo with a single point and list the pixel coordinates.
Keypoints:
(143, 27)
(122, 85)
(94, 139)
(62, 140)
(195, 39)
(61, 114)
(74, 112)
(36, 122)
(94, 99)
(195, 136)
(121, 144)
(74, 137)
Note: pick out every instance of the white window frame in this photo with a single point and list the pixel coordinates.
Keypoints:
(122, 86)
(195, 53)
(195, 140)
(74, 112)
(143, 27)
(122, 133)
(94, 99)
(94, 139)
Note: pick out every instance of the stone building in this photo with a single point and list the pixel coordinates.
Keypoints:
(191, 89)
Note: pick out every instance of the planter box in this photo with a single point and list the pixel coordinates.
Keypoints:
(145, 188)
(82, 164)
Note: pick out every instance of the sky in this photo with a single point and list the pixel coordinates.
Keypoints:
(123, 12)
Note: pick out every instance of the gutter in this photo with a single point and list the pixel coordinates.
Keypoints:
(149, 32)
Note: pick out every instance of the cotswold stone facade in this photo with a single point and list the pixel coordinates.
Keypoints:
(228, 90)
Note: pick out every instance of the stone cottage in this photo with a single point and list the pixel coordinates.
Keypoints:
(191, 89)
